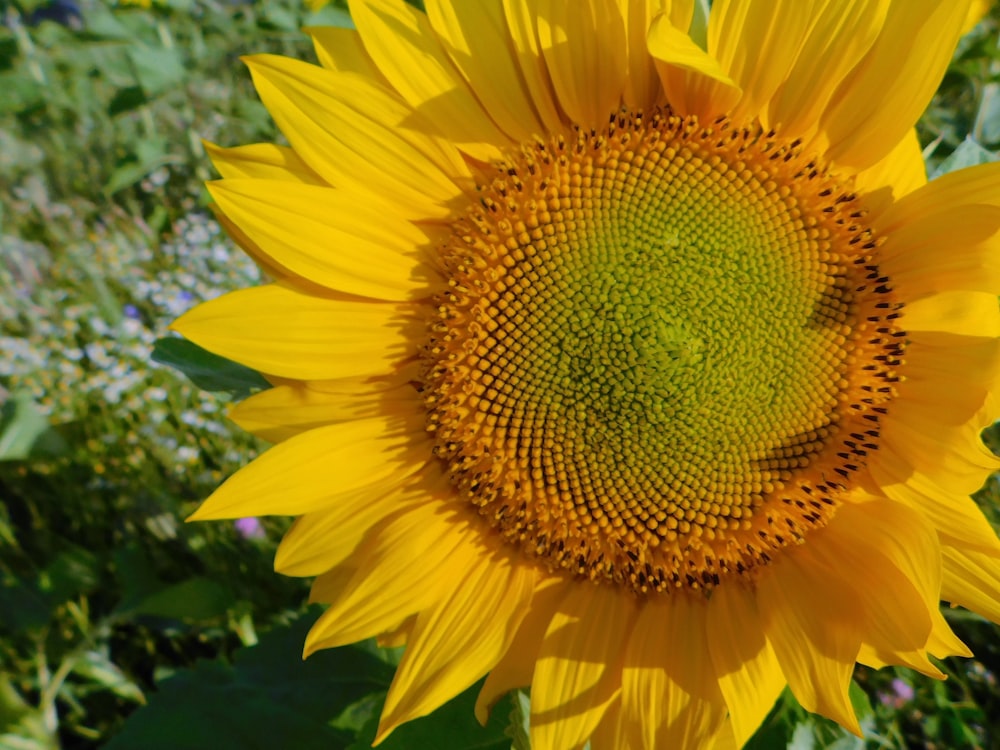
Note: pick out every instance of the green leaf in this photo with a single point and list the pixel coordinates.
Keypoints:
(156, 69)
(452, 726)
(133, 169)
(194, 599)
(100, 23)
(126, 100)
(208, 371)
(520, 720)
(135, 574)
(330, 15)
(73, 572)
(24, 607)
(97, 667)
(968, 154)
(25, 432)
(804, 737)
(270, 698)
(276, 17)
(21, 726)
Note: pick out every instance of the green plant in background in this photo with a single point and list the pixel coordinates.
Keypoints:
(108, 603)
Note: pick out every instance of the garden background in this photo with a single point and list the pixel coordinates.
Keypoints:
(123, 627)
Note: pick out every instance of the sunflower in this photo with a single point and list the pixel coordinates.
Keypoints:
(637, 364)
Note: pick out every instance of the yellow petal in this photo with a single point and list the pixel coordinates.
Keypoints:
(288, 410)
(892, 85)
(838, 34)
(756, 44)
(262, 161)
(642, 84)
(341, 50)
(583, 44)
(331, 238)
(397, 638)
(515, 668)
(280, 331)
(977, 11)
(963, 313)
(356, 135)
(578, 673)
(309, 472)
(453, 644)
(400, 40)
(894, 553)
(898, 174)
(945, 447)
(329, 536)
(610, 733)
(270, 269)
(693, 81)
(943, 642)
(725, 739)
(476, 39)
(748, 671)
(386, 588)
(521, 18)
(670, 695)
(812, 622)
(956, 517)
(945, 235)
(972, 580)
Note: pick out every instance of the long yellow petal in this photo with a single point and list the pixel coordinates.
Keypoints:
(838, 35)
(977, 11)
(452, 644)
(400, 40)
(757, 44)
(670, 695)
(332, 238)
(890, 88)
(975, 314)
(583, 44)
(693, 81)
(972, 580)
(290, 409)
(956, 517)
(386, 587)
(356, 135)
(329, 536)
(945, 235)
(812, 623)
(642, 84)
(894, 552)
(898, 174)
(341, 50)
(476, 39)
(747, 668)
(515, 668)
(280, 331)
(297, 476)
(578, 672)
(262, 161)
(521, 16)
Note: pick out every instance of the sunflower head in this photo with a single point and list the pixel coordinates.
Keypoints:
(642, 371)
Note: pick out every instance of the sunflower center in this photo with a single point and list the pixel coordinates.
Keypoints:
(664, 350)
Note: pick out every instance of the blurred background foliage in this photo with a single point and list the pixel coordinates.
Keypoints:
(121, 626)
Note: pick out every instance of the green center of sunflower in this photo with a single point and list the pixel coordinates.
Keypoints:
(664, 350)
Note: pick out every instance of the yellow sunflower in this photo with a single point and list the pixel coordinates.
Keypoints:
(635, 364)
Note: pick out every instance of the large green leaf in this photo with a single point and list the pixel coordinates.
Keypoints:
(269, 698)
(208, 371)
(968, 154)
(25, 431)
(453, 726)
